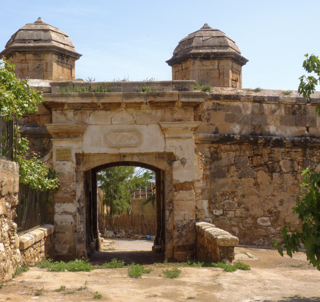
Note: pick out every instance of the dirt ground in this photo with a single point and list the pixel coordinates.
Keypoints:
(271, 278)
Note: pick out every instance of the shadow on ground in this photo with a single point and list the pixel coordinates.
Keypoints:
(140, 257)
(297, 299)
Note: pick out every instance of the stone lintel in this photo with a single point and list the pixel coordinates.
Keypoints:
(65, 131)
(176, 130)
(275, 141)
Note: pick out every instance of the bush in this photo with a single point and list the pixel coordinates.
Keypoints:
(174, 273)
(136, 270)
(114, 263)
(71, 266)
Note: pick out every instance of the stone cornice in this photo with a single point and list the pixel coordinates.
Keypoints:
(109, 100)
(176, 130)
(208, 56)
(272, 141)
(66, 131)
(10, 50)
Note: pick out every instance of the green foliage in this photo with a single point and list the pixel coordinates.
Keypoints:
(308, 210)
(287, 92)
(19, 270)
(38, 292)
(258, 89)
(17, 98)
(173, 273)
(145, 89)
(82, 288)
(114, 263)
(205, 88)
(71, 266)
(308, 84)
(118, 183)
(136, 270)
(33, 172)
(151, 198)
(84, 89)
(61, 289)
(308, 201)
(226, 266)
(97, 295)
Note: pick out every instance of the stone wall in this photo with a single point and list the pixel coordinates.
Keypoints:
(253, 188)
(37, 244)
(213, 244)
(9, 241)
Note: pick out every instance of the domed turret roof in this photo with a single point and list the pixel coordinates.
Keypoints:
(40, 36)
(206, 43)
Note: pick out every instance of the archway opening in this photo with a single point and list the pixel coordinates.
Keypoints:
(120, 223)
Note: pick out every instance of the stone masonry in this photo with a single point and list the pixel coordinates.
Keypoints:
(9, 240)
(231, 157)
(37, 244)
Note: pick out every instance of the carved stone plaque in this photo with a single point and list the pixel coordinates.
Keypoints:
(64, 154)
(123, 138)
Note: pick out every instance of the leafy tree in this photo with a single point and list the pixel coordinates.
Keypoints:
(118, 183)
(308, 201)
(17, 99)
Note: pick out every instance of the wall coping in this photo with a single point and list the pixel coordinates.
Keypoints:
(220, 237)
(35, 235)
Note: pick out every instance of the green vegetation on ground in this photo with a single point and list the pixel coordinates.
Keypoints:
(136, 270)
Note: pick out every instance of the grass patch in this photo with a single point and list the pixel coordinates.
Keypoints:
(97, 295)
(82, 288)
(205, 88)
(61, 289)
(190, 298)
(228, 267)
(38, 292)
(71, 266)
(70, 292)
(20, 270)
(114, 263)
(136, 270)
(174, 273)
(190, 263)
(298, 265)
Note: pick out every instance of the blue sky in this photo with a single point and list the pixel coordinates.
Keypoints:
(134, 38)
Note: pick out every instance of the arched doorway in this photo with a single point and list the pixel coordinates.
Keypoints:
(88, 165)
(92, 229)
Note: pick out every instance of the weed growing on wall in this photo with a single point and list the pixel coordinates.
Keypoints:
(205, 88)
(84, 89)
(145, 89)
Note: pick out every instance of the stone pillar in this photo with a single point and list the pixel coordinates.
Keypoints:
(9, 240)
(179, 139)
(67, 141)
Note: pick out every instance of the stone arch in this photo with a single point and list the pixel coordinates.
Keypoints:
(87, 224)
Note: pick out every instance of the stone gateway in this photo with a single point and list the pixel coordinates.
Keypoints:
(231, 157)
